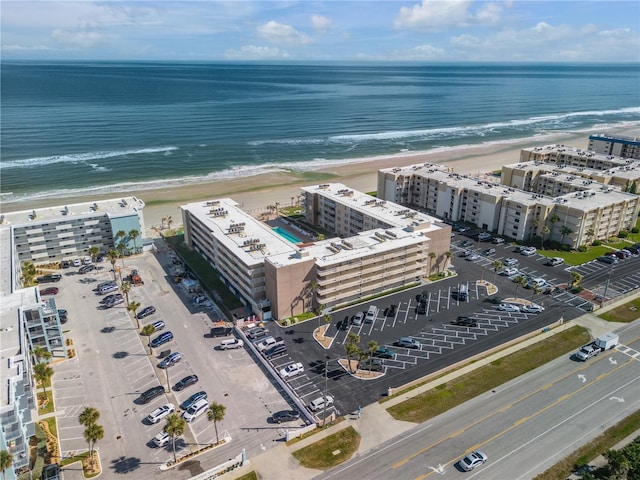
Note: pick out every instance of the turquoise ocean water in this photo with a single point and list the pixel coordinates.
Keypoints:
(73, 128)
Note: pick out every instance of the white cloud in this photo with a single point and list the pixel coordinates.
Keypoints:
(423, 52)
(81, 39)
(253, 52)
(320, 23)
(23, 48)
(283, 34)
(441, 14)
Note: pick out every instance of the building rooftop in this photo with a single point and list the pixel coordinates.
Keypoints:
(252, 239)
(389, 212)
(616, 138)
(566, 150)
(113, 207)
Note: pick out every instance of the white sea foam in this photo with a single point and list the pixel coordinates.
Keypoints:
(81, 157)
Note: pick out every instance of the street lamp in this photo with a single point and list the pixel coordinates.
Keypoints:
(326, 384)
(606, 286)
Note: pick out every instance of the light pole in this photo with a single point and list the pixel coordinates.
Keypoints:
(326, 384)
(606, 286)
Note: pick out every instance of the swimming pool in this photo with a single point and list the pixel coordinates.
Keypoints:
(286, 235)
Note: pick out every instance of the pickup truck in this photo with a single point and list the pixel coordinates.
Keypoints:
(268, 343)
(600, 344)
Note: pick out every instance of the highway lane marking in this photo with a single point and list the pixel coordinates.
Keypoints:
(524, 419)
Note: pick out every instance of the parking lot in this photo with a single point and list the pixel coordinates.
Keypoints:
(113, 366)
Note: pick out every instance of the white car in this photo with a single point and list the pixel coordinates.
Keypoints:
(538, 282)
(161, 412)
(552, 262)
(533, 308)
(320, 403)
(161, 439)
(508, 307)
(291, 370)
(472, 257)
(508, 271)
(527, 252)
(510, 262)
(472, 460)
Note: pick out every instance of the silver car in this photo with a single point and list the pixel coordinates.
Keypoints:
(472, 460)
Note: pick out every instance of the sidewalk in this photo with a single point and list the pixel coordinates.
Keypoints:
(377, 426)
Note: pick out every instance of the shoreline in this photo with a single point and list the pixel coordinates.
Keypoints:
(256, 192)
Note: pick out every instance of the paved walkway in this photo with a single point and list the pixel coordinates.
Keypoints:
(377, 426)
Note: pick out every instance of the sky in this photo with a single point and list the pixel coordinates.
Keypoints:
(336, 30)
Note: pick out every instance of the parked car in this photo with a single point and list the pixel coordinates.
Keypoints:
(158, 325)
(145, 312)
(528, 251)
(537, 282)
(408, 342)
(185, 382)
(285, 416)
(472, 460)
(113, 302)
(509, 262)
(489, 251)
(257, 332)
(162, 339)
(497, 240)
(65, 264)
(291, 370)
(170, 360)
(77, 262)
(474, 256)
(161, 439)
(371, 364)
(150, 394)
(484, 236)
(508, 307)
(276, 351)
(384, 352)
(552, 262)
(195, 410)
(87, 268)
(193, 399)
(62, 315)
(321, 403)
(54, 277)
(231, 344)
(465, 322)
(357, 320)
(508, 271)
(466, 243)
(161, 412)
(49, 291)
(391, 310)
(533, 308)
(621, 254)
(608, 259)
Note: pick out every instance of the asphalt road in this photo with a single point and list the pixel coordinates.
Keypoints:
(524, 426)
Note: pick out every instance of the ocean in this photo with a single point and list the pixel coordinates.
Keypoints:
(73, 129)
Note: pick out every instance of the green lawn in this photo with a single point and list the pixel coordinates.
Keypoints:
(330, 451)
(628, 312)
(575, 257)
(433, 402)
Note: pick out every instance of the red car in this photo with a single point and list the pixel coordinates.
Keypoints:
(49, 291)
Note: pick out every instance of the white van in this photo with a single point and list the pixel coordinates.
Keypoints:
(230, 344)
(195, 410)
(371, 315)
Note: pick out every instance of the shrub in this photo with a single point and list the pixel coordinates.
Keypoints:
(597, 243)
(576, 289)
(582, 248)
(623, 234)
(635, 230)
(565, 248)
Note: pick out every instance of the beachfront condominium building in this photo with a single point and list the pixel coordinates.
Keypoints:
(52, 234)
(382, 246)
(562, 155)
(576, 211)
(626, 147)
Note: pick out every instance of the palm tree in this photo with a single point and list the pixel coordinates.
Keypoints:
(215, 414)
(520, 281)
(372, 346)
(120, 237)
(589, 233)
(174, 427)
(432, 255)
(534, 226)
(169, 222)
(448, 254)
(576, 278)
(132, 307)
(88, 416)
(133, 234)
(112, 255)
(94, 252)
(40, 353)
(147, 331)
(121, 250)
(554, 219)
(28, 273)
(564, 231)
(545, 231)
(6, 460)
(619, 464)
(351, 346)
(43, 373)
(313, 289)
(92, 434)
(497, 266)
(126, 288)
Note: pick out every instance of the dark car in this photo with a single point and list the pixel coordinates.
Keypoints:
(65, 264)
(391, 311)
(371, 364)
(384, 352)
(148, 395)
(421, 309)
(100, 258)
(185, 382)
(51, 472)
(193, 399)
(465, 322)
(276, 351)
(145, 312)
(285, 416)
(256, 333)
(162, 339)
(110, 298)
(62, 315)
(113, 302)
(49, 291)
(54, 277)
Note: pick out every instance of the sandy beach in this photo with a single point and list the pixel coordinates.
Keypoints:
(256, 192)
